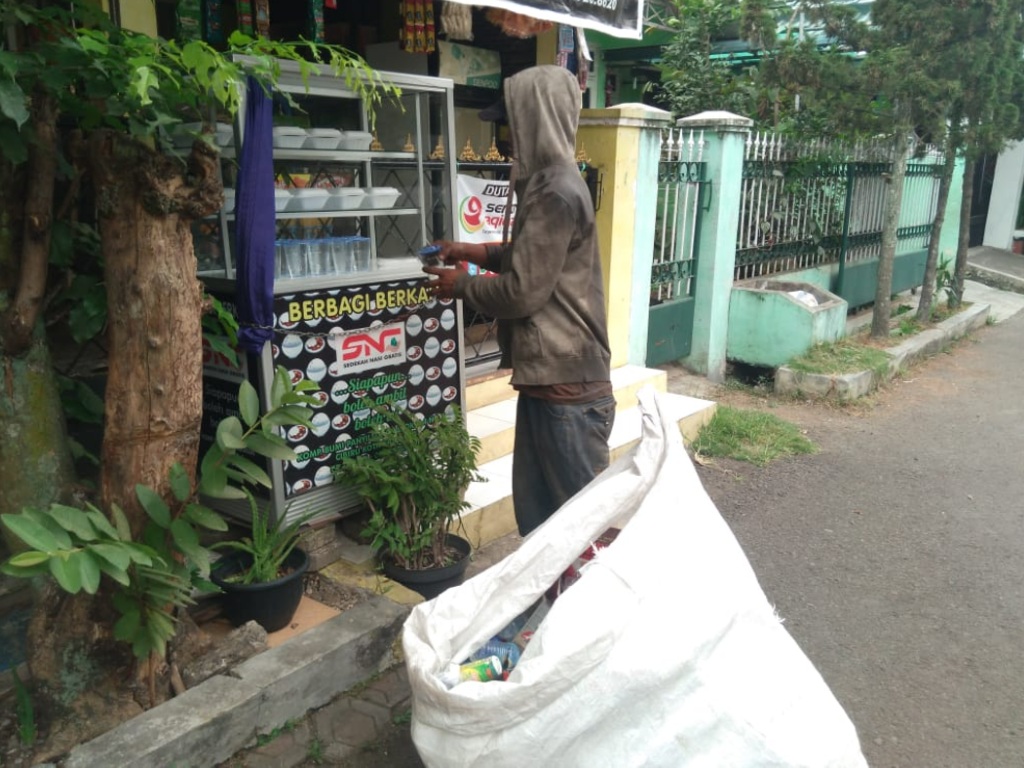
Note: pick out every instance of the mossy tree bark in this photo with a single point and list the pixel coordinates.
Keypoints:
(154, 387)
(153, 407)
(35, 462)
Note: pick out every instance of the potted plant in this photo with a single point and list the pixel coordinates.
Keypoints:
(261, 577)
(412, 476)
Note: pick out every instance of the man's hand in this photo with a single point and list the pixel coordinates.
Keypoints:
(444, 286)
(453, 253)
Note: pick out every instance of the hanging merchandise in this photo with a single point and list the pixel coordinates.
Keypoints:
(566, 46)
(189, 20)
(457, 21)
(262, 9)
(429, 27)
(315, 20)
(418, 26)
(516, 24)
(585, 58)
(244, 10)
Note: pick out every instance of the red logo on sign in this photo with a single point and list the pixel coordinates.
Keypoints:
(363, 344)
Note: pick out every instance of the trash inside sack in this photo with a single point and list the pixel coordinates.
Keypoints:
(496, 658)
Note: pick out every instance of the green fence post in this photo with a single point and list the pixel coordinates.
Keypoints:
(724, 136)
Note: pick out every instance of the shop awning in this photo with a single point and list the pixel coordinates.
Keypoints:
(619, 18)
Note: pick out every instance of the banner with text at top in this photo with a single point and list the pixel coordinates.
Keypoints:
(619, 18)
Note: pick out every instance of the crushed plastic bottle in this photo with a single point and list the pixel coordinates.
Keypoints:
(508, 653)
(482, 670)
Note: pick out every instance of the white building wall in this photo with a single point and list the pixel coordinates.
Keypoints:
(1006, 191)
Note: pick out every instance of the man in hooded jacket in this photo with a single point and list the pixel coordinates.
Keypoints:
(548, 298)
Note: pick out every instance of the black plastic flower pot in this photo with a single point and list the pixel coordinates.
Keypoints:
(431, 582)
(271, 604)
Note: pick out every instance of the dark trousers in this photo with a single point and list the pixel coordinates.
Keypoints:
(558, 450)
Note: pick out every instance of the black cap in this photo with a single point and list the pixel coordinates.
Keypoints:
(495, 112)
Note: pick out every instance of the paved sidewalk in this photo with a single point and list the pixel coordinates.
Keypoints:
(1002, 269)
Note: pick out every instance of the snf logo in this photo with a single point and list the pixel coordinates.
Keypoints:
(471, 214)
(366, 344)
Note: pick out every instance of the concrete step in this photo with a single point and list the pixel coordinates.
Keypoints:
(491, 515)
(491, 406)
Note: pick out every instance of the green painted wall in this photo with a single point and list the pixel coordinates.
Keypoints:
(768, 327)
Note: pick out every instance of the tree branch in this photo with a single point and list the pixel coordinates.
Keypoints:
(20, 319)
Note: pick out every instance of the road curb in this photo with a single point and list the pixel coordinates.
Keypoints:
(1004, 281)
(222, 716)
(850, 386)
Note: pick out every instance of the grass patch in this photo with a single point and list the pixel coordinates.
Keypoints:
(752, 436)
(843, 356)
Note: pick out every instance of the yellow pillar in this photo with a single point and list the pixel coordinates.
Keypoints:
(547, 46)
(137, 15)
(619, 143)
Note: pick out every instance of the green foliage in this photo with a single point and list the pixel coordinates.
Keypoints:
(907, 326)
(691, 80)
(752, 436)
(24, 711)
(315, 752)
(944, 280)
(267, 547)
(220, 328)
(262, 739)
(157, 570)
(843, 356)
(412, 477)
(104, 76)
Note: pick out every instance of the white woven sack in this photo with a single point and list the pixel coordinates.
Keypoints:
(664, 653)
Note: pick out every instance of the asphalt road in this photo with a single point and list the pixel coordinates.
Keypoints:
(896, 556)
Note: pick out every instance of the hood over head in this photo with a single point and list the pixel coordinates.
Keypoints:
(543, 106)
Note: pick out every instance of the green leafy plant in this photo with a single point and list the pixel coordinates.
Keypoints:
(316, 751)
(266, 548)
(907, 326)
(24, 711)
(157, 570)
(944, 279)
(412, 476)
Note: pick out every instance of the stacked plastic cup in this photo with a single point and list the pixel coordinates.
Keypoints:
(341, 254)
(295, 264)
(319, 257)
(362, 256)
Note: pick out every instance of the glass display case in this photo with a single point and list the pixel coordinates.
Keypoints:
(355, 199)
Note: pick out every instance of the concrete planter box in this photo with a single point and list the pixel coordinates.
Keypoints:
(768, 325)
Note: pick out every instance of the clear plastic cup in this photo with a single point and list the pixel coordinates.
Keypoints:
(295, 264)
(362, 256)
(341, 254)
(280, 269)
(319, 256)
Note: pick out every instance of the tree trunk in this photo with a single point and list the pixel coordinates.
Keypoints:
(960, 270)
(154, 385)
(894, 200)
(924, 305)
(19, 319)
(35, 464)
(153, 410)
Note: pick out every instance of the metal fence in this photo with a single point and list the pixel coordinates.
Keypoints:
(681, 178)
(809, 204)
